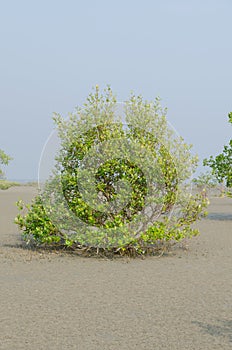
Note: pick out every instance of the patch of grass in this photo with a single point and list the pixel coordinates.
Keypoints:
(4, 184)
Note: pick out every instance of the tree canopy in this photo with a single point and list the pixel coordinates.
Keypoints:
(221, 165)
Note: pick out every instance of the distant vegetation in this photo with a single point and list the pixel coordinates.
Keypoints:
(4, 184)
(207, 183)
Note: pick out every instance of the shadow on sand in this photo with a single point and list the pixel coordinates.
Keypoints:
(223, 329)
(219, 216)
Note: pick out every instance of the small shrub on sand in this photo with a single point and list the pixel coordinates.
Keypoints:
(120, 185)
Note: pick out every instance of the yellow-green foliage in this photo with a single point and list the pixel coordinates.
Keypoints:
(146, 154)
(4, 160)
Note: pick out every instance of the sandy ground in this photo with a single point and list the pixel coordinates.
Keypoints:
(54, 301)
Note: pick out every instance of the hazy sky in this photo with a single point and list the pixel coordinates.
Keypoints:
(54, 52)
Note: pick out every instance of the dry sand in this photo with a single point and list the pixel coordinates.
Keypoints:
(57, 301)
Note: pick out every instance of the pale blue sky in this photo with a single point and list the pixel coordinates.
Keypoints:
(54, 52)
